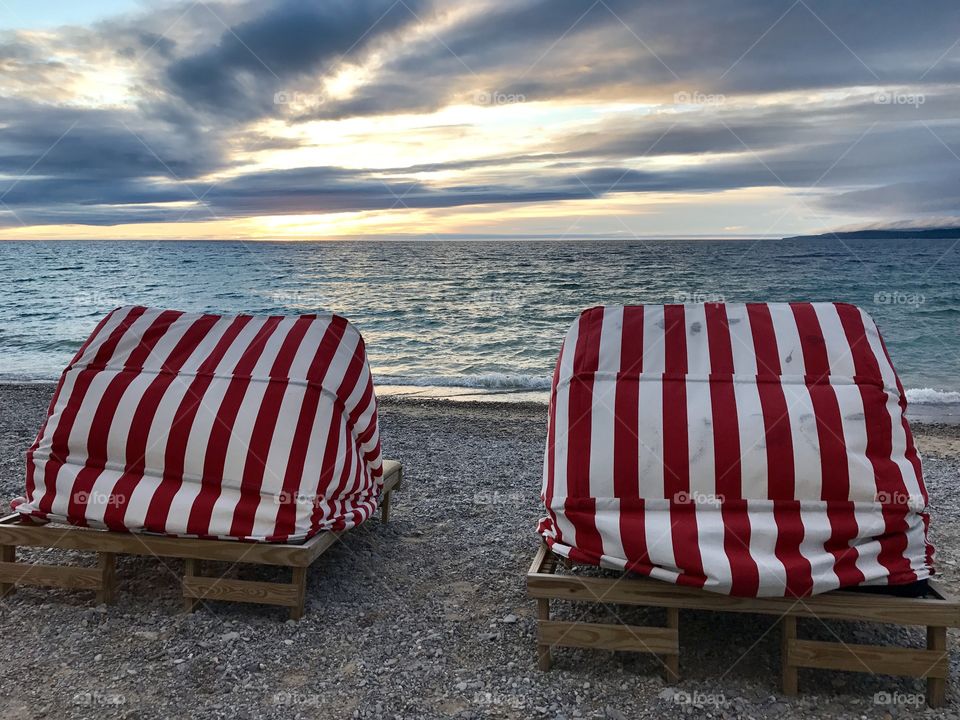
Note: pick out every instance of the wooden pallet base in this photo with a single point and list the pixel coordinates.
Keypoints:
(201, 582)
(936, 612)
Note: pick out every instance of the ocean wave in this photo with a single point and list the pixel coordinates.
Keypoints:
(487, 381)
(929, 396)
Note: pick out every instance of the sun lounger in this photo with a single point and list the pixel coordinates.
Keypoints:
(748, 458)
(208, 438)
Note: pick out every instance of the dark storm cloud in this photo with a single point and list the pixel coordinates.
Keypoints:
(289, 41)
(207, 72)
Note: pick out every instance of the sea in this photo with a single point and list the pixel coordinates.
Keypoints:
(480, 319)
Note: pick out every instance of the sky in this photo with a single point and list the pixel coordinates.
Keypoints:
(320, 119)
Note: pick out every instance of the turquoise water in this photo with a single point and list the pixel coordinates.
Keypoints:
(479, 314)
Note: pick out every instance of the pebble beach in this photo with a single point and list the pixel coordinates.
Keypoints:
(424, 617)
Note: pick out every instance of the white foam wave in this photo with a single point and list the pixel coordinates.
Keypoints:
(487, 381)
(929, 396)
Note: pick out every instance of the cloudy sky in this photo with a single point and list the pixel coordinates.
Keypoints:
(354, 118)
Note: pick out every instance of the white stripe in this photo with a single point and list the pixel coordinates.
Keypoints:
(713, 555)
(763, 544)
(562, 403)
(650, 406)
(603, 415)
(741, 343)
(816, 533)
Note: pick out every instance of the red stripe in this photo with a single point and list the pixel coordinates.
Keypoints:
(179, 432)
(676, 455)
(220, 435)
(287, 513)
(889, 481)
(781, 479)
(726, 447)
(676, 450)
(254, 468)
(143, 417)
(626, 443)
(580, 505)
(773, 403)
(59, 449)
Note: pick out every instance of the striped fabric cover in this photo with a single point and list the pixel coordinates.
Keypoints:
(749, 449)
(246, 427)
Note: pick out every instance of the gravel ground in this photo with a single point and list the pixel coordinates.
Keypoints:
(423, 618)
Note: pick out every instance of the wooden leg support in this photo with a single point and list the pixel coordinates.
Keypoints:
(672, 662)
(107, 564)
(790, 672)
(191, 569)
(937, 686)
(385, 507)
(544, 657)
(8, 554)
(300, 586)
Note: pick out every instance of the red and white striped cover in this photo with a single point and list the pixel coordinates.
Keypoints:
(749, 449)
(246, 427)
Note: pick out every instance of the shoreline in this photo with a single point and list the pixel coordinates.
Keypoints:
(926, 414)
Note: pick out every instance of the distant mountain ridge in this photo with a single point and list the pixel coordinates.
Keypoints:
(917, 233)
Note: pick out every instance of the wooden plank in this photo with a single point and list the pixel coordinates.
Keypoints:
(8, 554)
(299, 583)
(937, 687)
(875, 659)
(50, 575)
(191, 568)
(656, 640)
(672, 662)
(544, 656)
(74, 538)
(248, 591)
(538, 560)
(833, 606)
(108, 578)
(790, 675)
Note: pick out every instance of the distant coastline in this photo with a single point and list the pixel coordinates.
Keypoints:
(918, 234)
